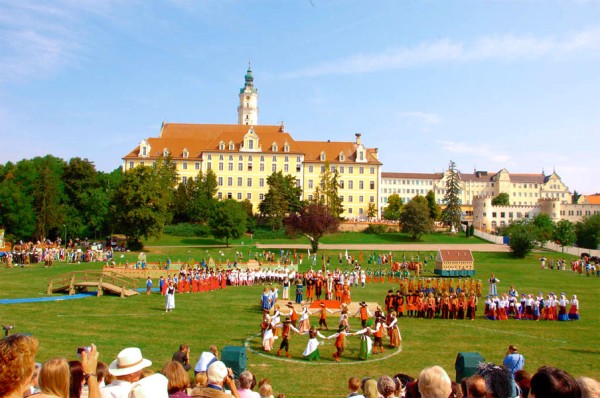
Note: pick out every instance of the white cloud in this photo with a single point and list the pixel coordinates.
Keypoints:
(507, 47)
(427, 118)
(480, 151)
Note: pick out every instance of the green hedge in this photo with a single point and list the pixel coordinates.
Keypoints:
(187, 229)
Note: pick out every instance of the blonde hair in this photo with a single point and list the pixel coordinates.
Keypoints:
(201, 379)
(434, 383)
(178, 378)
(55, 377)
(17, 361)
(265, 390)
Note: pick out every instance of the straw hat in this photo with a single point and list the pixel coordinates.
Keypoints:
(128, 361)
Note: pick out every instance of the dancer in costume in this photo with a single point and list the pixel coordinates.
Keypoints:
(377, 332)
(493, 291)
(339, 342)
(393, 330)
(562, 308)
(311, 352)
(298, 290)
(574, 310)
(323, 316)
(268, 337)
(170, 294)
(364, 313)
(286, 328)
(304, 320)
(293, 314)
(366, 344)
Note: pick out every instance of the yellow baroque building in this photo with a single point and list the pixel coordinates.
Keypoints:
(244, 155)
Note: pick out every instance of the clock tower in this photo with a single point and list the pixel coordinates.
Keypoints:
(248, 108)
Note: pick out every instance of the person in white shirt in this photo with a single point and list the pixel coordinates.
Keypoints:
(205, 359)
(127, 369)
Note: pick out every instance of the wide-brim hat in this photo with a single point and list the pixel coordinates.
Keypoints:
(155, 386)
(362, 304)
(290, 304)
(128, 361)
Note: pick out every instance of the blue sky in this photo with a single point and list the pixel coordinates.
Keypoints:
(488, 84)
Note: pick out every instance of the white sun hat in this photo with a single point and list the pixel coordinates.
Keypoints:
(153, 386)
(128, 361)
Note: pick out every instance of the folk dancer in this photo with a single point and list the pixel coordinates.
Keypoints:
(311, 352)
(323, 316)
(574, 310)
(170, 294)
(339, 337)
(562, 308)
(286, 328)
(393, 330)
(493, 291)
(364, 313)
(304, 320)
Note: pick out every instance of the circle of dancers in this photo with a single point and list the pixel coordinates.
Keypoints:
(374, 328)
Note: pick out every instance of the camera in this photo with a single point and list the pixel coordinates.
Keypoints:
(82, 349)
(7, 328)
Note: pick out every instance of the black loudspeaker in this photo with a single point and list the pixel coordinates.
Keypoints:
(466, 364)
(235, 358)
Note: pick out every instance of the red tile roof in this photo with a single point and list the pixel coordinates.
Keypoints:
(455, 255)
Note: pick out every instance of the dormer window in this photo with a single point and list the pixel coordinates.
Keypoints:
(165, 152)
(250, 144)
(186, 153)
(221, 146)
(231, 146)
(144, 151)
(286, 147)
(322, 156)
(274, 147)
(342, 157)
(361, 155)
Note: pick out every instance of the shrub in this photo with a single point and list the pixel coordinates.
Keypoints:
(268, 233)
(187, 229)
(376, 229)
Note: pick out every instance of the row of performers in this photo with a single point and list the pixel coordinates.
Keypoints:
(371, 335)
(445, 306)
(532, 308)
(201, 282)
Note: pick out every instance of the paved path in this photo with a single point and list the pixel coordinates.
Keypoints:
(483, 247)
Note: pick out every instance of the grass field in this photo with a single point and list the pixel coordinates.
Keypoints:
(232, 317)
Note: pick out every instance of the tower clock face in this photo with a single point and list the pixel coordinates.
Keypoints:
(247, 98)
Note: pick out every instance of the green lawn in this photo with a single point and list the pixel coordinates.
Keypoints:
(232, 316)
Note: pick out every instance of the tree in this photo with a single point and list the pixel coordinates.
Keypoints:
(142, 201)
(394, 207)
(314, 221)
(503, 199)
(415, 218)
(543, 228)
(202, 193)
(587, 231)
(564, 233)
(48, 195)
(451, 214)
(434, 208)
(327, 191)
(371, 210)
(282, 198)
(183, 201)
(521, 240)
(575, 197)
(16, 206)
(228, 220)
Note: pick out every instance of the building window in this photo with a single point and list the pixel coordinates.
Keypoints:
(310, 184)
(361, 185)
(372, 184)
(208, 165)
(221, 146)
(249, 166)
(231, 146)
(310, 169)
(360, 199)
(249, 196)
(239, 196)
(240, 166)
(297, 183)
(372, 170)
(350, 198)
(131, 165)
(262, 167)
(350, 170)
(341, 184)
(350, 210)
(197, 166)
(144, 151)
(249, 181)
(322, 169)
(229, 181)
(361, 170)
(184, 165)
(229, 195)
(261, 182)
(286, 168)
(239, 181)
(372, 199)
(230, 166)
(341, 169)
(220, 166)
(183, 180)
(220, 181)
(298, 168)
(219, 195)
(274, 167)
(261, 196)
(221, 157)
(250, 144)
(360, 210)
(350, 184)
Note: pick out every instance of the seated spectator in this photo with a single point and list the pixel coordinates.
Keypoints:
(370, 388)
(353, 387)
(551, 382)
(34, 387)
(179, 380)
(55, 379)
(17, 363)
(102, 374)
(246, 380)
(77, 380)
(201, 379)
(590, 388)
(386, 387)
(498, 381)
(153, 386)
(456, 391)
(476, 387)
(403, 380)
(218, 376)
(434, 383)
(206, 359)
(183, 356)
(265, 391)
(523, 380)
(127, 369)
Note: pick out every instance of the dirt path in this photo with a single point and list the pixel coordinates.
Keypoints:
(483, 247)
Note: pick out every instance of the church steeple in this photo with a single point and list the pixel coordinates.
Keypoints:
(248, 108)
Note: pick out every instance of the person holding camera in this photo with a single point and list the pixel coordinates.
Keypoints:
(513, 361)
(219, 376)
(183, 356)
